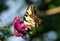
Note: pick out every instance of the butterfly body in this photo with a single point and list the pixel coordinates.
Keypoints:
(30, 18)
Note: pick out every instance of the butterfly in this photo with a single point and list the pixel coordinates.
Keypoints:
(31, 18)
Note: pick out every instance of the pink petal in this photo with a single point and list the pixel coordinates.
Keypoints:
(19, 27)
(16, 32)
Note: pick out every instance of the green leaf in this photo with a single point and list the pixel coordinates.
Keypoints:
(51, 6)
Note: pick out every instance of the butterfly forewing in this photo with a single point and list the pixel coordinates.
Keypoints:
(30, 17)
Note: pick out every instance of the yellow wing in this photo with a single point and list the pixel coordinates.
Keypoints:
(30, 18)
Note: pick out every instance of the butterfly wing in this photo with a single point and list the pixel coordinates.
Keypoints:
(30, 18)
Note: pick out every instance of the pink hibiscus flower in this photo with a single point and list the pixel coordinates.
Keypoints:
(19, 27)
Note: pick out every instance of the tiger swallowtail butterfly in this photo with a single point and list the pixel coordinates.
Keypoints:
(30, 17)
